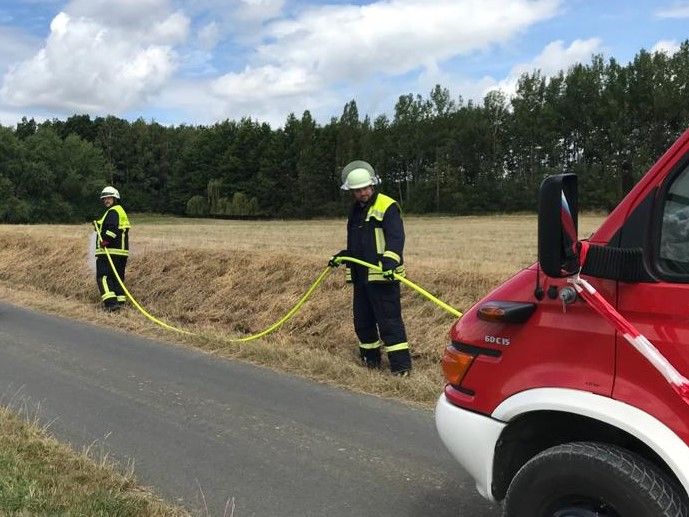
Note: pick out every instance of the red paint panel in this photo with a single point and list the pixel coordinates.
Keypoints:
(572, 349)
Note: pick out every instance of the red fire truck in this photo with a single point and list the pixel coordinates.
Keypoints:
(566, 392)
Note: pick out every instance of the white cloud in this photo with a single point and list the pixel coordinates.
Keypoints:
(171, 30)
(240, 20)
(195, 101)
(397, 36)
(330, 45)
(209, 35)
(678, 10)
(552, 59)
(245, 9)
(259, 10)
(269, 80)
(16, 46)
(268, 93)
(131, 15)
(10, 118)
(188, 101)
(665, 46)
(98, 59)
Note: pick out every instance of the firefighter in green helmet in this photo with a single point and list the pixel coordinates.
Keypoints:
(375, 234)
(112, 234)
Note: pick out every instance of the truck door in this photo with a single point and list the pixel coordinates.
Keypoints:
(659, 307)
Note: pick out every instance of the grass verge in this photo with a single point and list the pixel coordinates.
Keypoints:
(40, 476)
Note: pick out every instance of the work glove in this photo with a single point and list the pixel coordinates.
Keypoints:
(389, 274)
(388, 266)
(333, 262)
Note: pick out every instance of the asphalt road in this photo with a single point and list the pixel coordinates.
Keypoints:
(208, 432)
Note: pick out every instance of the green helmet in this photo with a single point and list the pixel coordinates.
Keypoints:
(358, 174)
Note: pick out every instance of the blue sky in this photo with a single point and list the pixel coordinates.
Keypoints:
(200, 61)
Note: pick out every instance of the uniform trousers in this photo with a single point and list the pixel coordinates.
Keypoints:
(378, 317)
(110, 290)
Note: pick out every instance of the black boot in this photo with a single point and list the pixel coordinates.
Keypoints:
(370, 357)
(400, 362)
(111, 306)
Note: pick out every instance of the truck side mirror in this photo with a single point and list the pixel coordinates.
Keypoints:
(557, 225)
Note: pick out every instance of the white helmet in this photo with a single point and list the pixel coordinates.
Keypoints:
(358, 174)
(110, 192)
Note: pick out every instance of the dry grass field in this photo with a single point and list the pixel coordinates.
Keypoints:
(224, 279)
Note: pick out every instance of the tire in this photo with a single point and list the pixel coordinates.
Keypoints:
(588, 479)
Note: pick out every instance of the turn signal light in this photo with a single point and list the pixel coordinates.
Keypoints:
(455, 365)
(506, 312)
(491, 313)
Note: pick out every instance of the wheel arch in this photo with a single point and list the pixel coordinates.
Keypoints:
(542, 418)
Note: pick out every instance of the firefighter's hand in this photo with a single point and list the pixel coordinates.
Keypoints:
(334, 260)
(104, 244)
(389, 274)
(388, 266)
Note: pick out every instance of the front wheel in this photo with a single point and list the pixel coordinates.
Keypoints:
(587, 479)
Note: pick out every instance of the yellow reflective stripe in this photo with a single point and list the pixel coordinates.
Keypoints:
(376, 214)
(377, 276)
(399, 346)
(123, 225)
(113, 251)
(381, 278)
(369, 346)
(121, 298)
(123, 219)
(377, 211)
(100, 221)
(348, 274)
(107, 293)
(394, 256)
(98, 225)
(380, 240)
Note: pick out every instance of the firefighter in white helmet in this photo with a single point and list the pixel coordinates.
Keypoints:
(375, 234)
(112, 233)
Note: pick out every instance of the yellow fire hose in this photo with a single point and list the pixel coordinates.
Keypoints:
(408, 283)
(293, 310)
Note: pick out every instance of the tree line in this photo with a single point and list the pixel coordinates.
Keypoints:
(605, 121)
